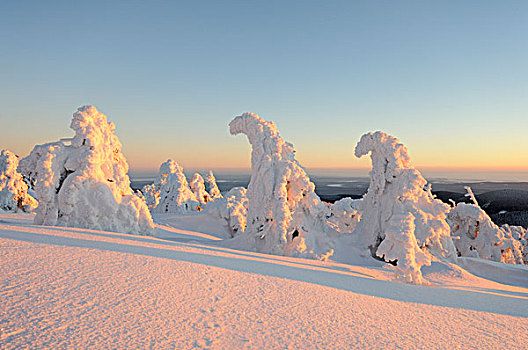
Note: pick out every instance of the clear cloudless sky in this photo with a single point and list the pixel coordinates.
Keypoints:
(448, 78)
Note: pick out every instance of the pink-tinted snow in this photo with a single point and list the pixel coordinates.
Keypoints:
(77, 288)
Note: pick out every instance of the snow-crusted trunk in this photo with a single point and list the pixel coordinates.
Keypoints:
(401, 220)
(285, 216)
(85, 183)
(14, 194)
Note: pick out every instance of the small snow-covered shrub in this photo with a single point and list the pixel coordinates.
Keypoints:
(285, 216)
(345, 215)
(475, 235)
(13, 190)
(198, 188)
(400, 217)
(150, 195)
(520, 234)
(83, 181)
(211, 186)
(232, 208)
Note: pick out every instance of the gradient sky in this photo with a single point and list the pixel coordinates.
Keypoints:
(448, 78)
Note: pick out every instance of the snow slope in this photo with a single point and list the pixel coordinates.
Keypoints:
(69, 287)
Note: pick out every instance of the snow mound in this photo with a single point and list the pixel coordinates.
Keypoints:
(83, 181)
(13, 190)
(475, 235)
(401, 221)
(173, 191)
(285, 216)
(232, 208)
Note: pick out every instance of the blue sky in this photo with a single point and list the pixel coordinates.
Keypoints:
(448, 78)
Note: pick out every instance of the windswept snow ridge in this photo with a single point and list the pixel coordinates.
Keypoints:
(285, 216)
(83, 181)
(401, 220)
(13, 190)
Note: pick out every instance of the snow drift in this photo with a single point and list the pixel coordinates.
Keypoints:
(13, 190)
(401, 221)
(285, 216)
(83, 181)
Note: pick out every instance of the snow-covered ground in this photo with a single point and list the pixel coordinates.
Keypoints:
(76, 288)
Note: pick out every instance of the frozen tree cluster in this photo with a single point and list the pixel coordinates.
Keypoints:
(285, 216)
(475, 235)
(83, 181)
(172, 193)
(14, 194)
(401, 222)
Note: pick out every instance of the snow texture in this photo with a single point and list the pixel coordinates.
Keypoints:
(14, 194)
(73, 288)
(175, 194)
(401, 221)
(475, 235)
(83, 181)
(232, 208)
(285, 216)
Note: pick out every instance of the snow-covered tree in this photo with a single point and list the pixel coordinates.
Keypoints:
(211, 186)
(198, 188)
(175, 194)
(83, 181)
(232, 208)
(13, 190)
(285, 216)
(150, 195)
(401, 220)
(345, 215)
(475, 235)
(520, 234)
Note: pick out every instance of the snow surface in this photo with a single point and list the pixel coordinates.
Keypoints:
(83, 181)
(79, 288)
